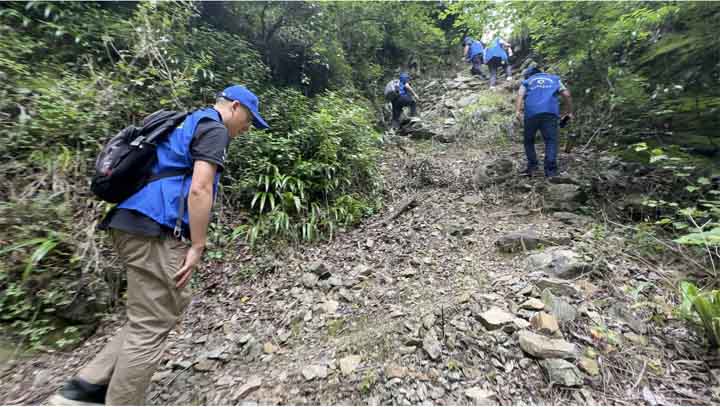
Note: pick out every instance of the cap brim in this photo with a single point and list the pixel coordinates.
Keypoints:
(258, 121)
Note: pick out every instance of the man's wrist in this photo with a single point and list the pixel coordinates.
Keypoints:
(198, 245)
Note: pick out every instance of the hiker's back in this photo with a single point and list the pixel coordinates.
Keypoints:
(541, 94)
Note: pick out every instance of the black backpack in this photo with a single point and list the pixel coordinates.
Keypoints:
(124, 165)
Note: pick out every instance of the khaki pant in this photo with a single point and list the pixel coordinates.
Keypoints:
(154, 306)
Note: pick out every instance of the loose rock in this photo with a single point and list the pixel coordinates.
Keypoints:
(520, 324)
(533, 304)
(562, 372)
(559, 263)
(269, 348)
(481, 397)
(558, 287)
(495, 318)
(431, 345)
(315, 372)
(204, 365)
(348, 364)
(520, 241)
(561, 309)
(544, 323)
(320, 269)
(158, 377)
(329, 306)
(310, 280)
(546, 348)
(394, 371)
(589, 366)
(251, 385)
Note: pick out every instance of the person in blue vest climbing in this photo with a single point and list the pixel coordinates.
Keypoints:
(538, 97)
(473, 53)
(158, 263)
(406, 96)
(496, 56)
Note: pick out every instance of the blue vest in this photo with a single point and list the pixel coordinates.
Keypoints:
(541, 92)
(475, 49)
(160, 200)
(495, 50)
(402, 91)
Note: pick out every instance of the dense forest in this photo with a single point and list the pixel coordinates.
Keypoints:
(643, 76)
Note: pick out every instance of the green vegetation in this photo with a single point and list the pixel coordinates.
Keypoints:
(702, 308)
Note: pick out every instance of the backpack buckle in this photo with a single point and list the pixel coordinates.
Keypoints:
(137, 141)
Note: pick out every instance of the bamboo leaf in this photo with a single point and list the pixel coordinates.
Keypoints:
(38, 255)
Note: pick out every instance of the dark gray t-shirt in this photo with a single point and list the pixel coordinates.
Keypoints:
(209, 144)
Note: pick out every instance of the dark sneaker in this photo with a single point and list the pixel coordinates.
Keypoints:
(78, 392)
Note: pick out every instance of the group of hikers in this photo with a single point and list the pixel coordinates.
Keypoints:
(537, 105)
(494, 53)
(161, 243)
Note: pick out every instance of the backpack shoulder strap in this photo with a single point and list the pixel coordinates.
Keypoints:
(158, 125)
(163, 128)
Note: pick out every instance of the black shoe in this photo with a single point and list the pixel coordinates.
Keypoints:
(78, 392)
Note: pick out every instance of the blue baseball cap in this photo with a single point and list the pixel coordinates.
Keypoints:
(249, 100)
(531, 71)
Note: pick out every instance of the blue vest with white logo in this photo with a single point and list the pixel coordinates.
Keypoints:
(160, 200)
(402, 91)
(495, 50)
(541, 92)
(475, 49)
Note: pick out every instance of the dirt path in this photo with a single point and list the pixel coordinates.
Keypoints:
(396, 312)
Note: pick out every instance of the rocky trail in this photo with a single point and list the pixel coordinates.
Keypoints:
(473, 286)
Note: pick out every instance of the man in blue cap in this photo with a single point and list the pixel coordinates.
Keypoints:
(473, 51)
(158, 264)
(404, 98)
(538, 96)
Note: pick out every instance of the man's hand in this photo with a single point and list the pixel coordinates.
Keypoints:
(570, 116)
(519, 116)
(192, 259)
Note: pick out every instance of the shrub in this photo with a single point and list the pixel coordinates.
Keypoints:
(318, 176)
(702, 308)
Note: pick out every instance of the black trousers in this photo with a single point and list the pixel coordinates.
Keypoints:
(398, 105)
